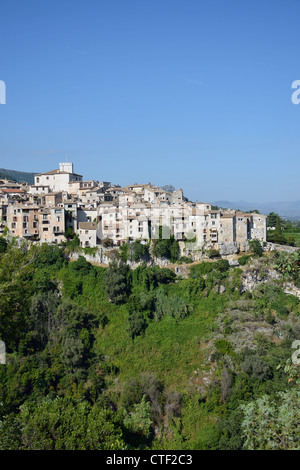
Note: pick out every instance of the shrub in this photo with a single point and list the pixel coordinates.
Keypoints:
(69, 233)
(205, 267)
(213, 253)
(150, 277)
(3, 245)
(224, 347)
(137, 324)
(243, 260)
(255, 367)
(107, 242)
(173, 306)
(186, 259)
(81, 265)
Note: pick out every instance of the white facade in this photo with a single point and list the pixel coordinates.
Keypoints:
(87, 232)
(36, 190)
(58, 180)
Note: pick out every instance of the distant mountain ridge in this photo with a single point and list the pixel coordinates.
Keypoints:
(19, 176)
(288, 209)
(169, 188)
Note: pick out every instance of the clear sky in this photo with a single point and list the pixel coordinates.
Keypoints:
(185, 92)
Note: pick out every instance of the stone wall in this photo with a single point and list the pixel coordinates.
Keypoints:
(274, 246)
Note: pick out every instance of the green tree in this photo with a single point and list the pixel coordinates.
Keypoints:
(139, 420)
(272, 424)
(81, 265)
(69, 233)
(61, 424)
(3, 245)
(16, 270)
(139, 250)
(165, 246)
(256, 247)
(276, 236)
(124, 252)
(43, 307)
(116, 282)
(272, 219)
(137, 324)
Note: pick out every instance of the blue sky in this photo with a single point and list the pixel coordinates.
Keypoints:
(185, 92)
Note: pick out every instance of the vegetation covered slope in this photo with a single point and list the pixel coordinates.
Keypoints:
(114, 358)
(18, 176)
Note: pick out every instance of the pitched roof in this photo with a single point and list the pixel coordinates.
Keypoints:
(54, 172)
(12, 190)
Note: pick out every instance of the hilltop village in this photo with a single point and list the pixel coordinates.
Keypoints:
(61, 202)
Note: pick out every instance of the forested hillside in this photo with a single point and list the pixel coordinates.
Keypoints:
(18, 176)
(115, 358)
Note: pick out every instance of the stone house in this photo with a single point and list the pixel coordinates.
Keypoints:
(52, 224)
(87, 233)
(23, 221)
